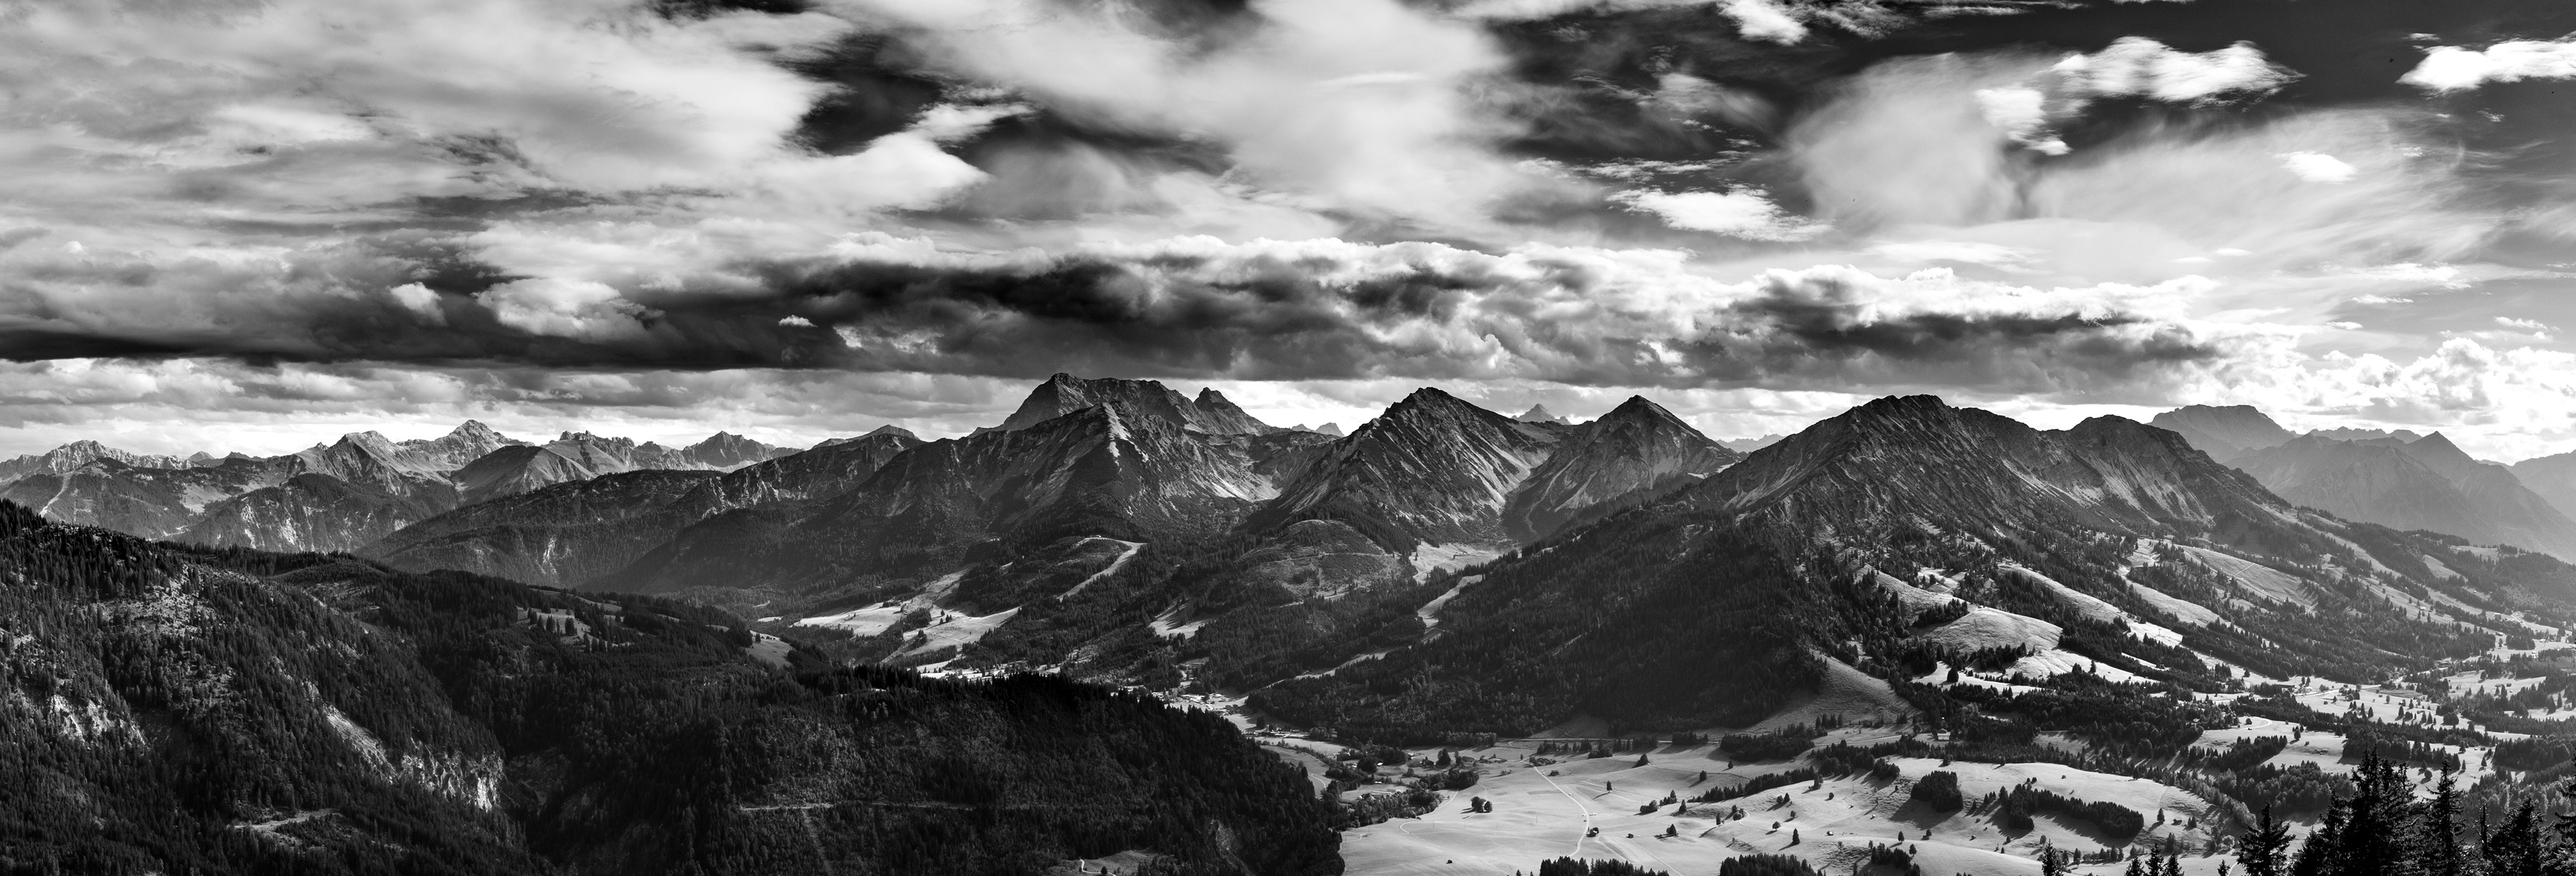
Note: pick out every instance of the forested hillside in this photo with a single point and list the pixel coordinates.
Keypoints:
(181, 710)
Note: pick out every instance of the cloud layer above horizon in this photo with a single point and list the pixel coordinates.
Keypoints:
(270, 220)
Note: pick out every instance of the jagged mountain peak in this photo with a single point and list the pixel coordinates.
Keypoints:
(1902, 412)
(729, 441)
(1639, 408)
(1432, 468)
(1219, 415)
(892, 429)
(1539, 414)
(1431, 400)
(475, 429)
(1634, 454)
(2438, 445)
(1147, 399)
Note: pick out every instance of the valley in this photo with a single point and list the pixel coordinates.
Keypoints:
(2107, 642)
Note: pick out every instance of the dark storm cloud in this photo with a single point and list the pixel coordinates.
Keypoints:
(1273, 311)
(1427, 312)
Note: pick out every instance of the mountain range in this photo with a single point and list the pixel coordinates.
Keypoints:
(2400, 479)
(331, 497)
(2102, 596)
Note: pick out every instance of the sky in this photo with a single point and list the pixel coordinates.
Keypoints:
(251, 225)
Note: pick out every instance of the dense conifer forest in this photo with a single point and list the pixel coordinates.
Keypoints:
(180, 710)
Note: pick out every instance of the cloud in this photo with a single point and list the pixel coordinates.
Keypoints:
(2318, 167)
(1760, 20)
(1743, 213)
(464, 97)
(577, 309)
(2141, 67)
(1310, 310)
(2027, 110)
(1361, 105)
(2452, 68)
(2022, 114)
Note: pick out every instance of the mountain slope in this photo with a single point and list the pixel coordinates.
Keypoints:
(2553, 478)
(1098, 471)
(568, 533)
(147, 501)
(232, 712)
(1807, 554)
(2391, 483)
(1634, 453)
(2223, 432)
(1430, 470)
(510, 471)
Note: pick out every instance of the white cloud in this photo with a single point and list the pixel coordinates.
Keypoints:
(419, 300)
(1761, 20)
(576, 309)
(2531, 325)
(2451, 68)
(2027, 110)
(1965, 252)
(1744, 213)
(2141, 67)
(2022, 114)
(2318, 167)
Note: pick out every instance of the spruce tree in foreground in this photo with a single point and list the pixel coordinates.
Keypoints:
(2264, 850)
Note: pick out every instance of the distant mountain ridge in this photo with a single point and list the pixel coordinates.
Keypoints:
(70, 457)
(339, 495)
(2397, 479)
(2224, 432)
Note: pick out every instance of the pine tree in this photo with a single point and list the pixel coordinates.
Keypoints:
(2515, 849)
(2374, 836)
(2263, 849)
(2321, 855)
(2437, 839)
